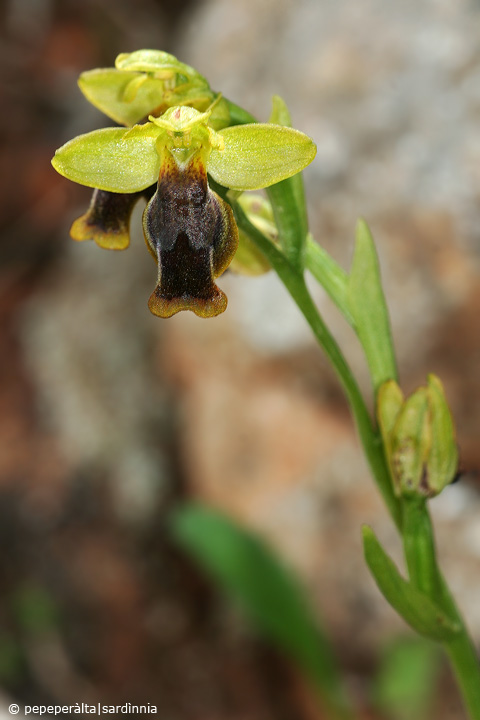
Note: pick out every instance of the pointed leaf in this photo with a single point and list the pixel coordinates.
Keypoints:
(238, 116)
(368, 307)
(243, 566)
(258, 155)
(112, 159)
(330, 275)
(421, 613)
(280, 114)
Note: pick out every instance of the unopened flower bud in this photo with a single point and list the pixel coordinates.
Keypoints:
(419, 438)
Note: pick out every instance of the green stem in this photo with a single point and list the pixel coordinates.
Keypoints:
(295, 283)
(460, 650)
(419, 548)
(463, 656)
(465, 663)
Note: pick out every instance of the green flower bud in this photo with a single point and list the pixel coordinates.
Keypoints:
(148, 82)
(419, 438)
(248, 259)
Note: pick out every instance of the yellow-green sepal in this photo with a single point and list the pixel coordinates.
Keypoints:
(258, 155)
(248, 259)
(161, 63)
(113, 159)
(125, 97)
(443, 457)
(390, 399)
(411, 441)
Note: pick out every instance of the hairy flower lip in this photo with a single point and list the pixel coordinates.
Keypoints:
(192, 234)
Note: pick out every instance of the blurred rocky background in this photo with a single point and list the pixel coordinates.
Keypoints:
(109, 416)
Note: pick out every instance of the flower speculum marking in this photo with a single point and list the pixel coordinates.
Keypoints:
(192, 234)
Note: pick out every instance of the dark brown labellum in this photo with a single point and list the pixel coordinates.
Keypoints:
(192, 234)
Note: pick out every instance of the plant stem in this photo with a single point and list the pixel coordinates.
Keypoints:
(463, 656)
(369, 438)
(460, 650)
(419, 548)
(295, 284)
(465, 664)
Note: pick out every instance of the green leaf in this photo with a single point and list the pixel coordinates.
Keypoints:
(112, 159)
(258, 155)
(35, 610)
(330, 275)
(288, 200)
(407, 679)
(12, 659)
(238, 116)
(280, 114)
(421, 613)
(368, 307)
(244, 567)
(294, 282)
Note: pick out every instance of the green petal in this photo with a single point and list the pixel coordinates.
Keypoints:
(117, 95)
(112, 159)
(156, 61)
(258, 155)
